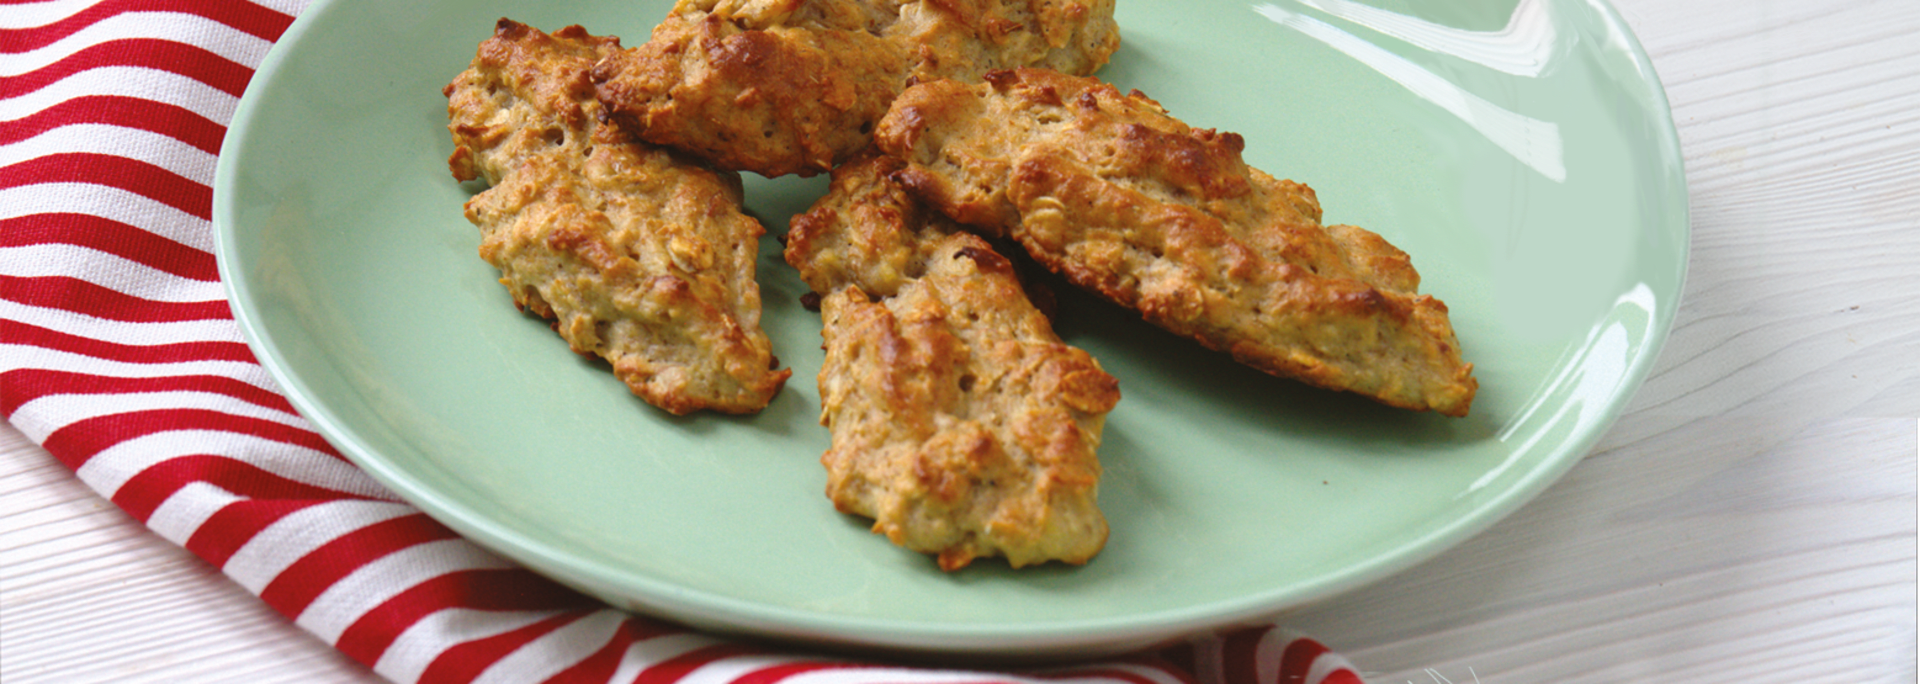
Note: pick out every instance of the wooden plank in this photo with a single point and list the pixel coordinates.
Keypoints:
(1750, 519)
(88, 594)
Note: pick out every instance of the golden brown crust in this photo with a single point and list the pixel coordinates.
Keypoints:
(960, 422)
(866, 231)
(964, 39)
(1123, 199)
(640, 258)
(779, 100)
(795, 86)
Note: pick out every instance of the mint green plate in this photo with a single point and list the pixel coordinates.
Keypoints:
(1520, 150)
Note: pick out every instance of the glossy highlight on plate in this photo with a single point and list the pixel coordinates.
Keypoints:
(1521, 150)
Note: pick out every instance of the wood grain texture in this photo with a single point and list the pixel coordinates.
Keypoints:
(1751, 518)
(88, 594)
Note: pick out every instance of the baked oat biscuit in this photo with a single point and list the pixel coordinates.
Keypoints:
(866, 231)
(769, 92)
(1123, 199)
(638, 257)
(794, 86)
(964, 39)
(961, 423)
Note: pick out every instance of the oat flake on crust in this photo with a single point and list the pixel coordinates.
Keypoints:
(1123, 199)
(782, 87)
(961, 423)
(638, 257)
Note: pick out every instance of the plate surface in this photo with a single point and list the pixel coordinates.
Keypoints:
(1520, 150)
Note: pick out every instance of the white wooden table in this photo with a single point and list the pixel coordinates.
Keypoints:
(1751, 518)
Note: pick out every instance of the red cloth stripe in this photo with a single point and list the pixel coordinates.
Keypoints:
(1165, 666)
(776, 673)
(234, 525)
(191, 61)
(1342, 676)
(465, 661)
(1238, 653)
(83, 297)
(170, 120)
(18, 387)
(151, 487)
(245, 16)
(1298, 659)
(600, 666)
(77, 442)
(131, 175)
(1182, 657)
(1111, 673)
(674, 669)
(511, 589)
(15, 332)
(111, 237)
(296, 587)
(273, 497)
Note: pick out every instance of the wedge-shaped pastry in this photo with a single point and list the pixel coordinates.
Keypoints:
(1123, 199)
(961, 424)
(638, 257)
(794, 86)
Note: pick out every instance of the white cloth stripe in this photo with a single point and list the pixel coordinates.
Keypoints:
(19, 356)
(110, 469)
(290, 8)
(187, 508)
(372, 584)
(1097, 678)
(1152, 674)
(78, 407)
(1329, 663)
(648, 653)
(230, 43)
(555, 651)
(110, 203)
(110, 271)
(1209, 660)
(38, 14)
(284, 542)
(728, 669)
(1266, 659)
(890, 675)
(1114, 680)
(128, 81)
(421, 643)
(179, 158)
(120, 332)
(37, 425)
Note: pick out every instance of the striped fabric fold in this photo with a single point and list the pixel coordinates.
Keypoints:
(118, 354)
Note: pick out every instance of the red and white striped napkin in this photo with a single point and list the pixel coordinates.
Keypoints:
(118, 353)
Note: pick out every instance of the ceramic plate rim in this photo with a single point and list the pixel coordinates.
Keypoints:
(730, 614)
